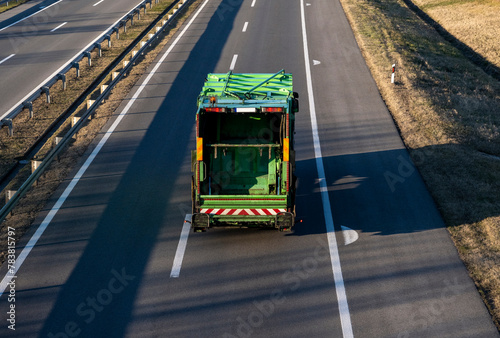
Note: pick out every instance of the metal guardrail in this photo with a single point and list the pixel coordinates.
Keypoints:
(136, 54)
(44, 88)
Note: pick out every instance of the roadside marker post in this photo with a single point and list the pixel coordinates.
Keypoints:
(393, 71)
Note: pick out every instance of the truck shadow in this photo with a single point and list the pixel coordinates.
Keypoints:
(111, 268)
(379, 192)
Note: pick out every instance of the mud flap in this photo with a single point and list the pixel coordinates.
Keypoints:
(284, 221)
(200, 222)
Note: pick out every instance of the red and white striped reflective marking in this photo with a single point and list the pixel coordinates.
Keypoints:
(242, 212)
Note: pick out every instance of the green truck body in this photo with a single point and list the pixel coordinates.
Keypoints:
(244, 161)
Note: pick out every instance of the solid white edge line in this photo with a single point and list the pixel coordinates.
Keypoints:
(58, 27)
(245, 27)
(181, 247)
(97, 3)
(8, 57)
(36, 236)
(64, 65)
(29, 16)
(253, 3)
(345, 317)
(233, 62)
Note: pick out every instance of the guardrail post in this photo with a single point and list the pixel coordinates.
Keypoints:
(8, 196)
(57, 140)
(139, 14)
(87, 55)
(76, 65)
(117, 31)
(9, 124)
(29, 105)
(131, 17)
(144, 6)
(62, 77)
(98, 46)
(124, 24)
(46, 90)
(34, 165)
(108, 37)
(103, 88)
(74, 121)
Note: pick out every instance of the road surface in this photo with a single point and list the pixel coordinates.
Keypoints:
(103, 265)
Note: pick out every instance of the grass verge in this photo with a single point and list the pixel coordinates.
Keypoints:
(446, 109)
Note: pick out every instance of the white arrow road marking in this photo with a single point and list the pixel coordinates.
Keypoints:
(350, 236)
(316, 62)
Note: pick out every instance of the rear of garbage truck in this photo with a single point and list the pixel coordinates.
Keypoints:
(244, 162)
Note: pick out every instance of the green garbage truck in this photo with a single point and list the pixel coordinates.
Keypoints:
(244, 162)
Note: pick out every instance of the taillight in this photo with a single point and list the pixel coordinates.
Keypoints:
(215, 110)
(272, 109)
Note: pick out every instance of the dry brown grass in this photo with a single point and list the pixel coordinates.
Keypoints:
(33, 202)
(447, 111)
(475, 23)
(12, 4)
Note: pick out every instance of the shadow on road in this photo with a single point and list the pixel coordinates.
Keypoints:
(380, 193)
(98, 297)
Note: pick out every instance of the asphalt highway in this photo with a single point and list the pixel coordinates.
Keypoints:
(102, 265)
(41, 39)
